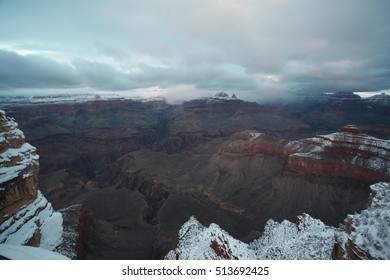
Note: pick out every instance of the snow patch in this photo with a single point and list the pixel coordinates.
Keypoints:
(17, 252)
(254, 135)
(310, 239)
(26, 157)
(36, 217)
(371, 226)
(197, 242)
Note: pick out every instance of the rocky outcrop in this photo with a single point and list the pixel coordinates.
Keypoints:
(307, 239)
(380, 99)
(365, 237)
(347, 154)
(366, 233)
(18, 169)
(26, 217)
(197, 242)
(35, 224)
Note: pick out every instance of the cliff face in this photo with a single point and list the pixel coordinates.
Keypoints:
(365, 237)
(366, 233)
(26, 217)
(347, 154)
(18, 169)
(307, 239)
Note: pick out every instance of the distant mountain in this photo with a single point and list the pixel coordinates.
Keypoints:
(380, 99)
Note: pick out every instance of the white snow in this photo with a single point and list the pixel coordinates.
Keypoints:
(195, 243)
(14, 161)
(17, 252)
(26, 157)
(371, 226)
(362, 150)
(311, 239)
(38, 215)
(308, 239)
(254, 135)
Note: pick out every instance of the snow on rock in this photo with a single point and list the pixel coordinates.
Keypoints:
(18, 168)
(310, 239)
(380, 99)
(346, 154)
(15, 252)
(35, 220)
(26, 217)
(357, 149)
(367, 233)
(15, 160)
(71, 231)
(366, 236)
(222, 96)
(197, 242)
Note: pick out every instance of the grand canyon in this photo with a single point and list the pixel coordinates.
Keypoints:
(209, 178)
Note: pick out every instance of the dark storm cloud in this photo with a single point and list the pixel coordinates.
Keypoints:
(32, 71)
(18, 71)
(258, 47)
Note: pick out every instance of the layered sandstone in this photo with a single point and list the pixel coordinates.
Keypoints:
(26, 217)
(347, 154)
(18, 169)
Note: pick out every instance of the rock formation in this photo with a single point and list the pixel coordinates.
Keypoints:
(346, 154)
(308, 239)
(121, 168)
(199, 242)
(19, 169)
(26, 217)
(366, 234)
(365, 237)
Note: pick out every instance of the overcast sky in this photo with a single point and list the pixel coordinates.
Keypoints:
(253, 48)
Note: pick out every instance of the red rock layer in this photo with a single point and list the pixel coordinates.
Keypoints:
(18, 169)
(346, 154)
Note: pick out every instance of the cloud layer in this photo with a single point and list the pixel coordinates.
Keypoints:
(255, 47)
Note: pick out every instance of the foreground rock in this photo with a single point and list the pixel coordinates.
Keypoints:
(26, 217)
(366, 237)
(366, 233)
(13, 252)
